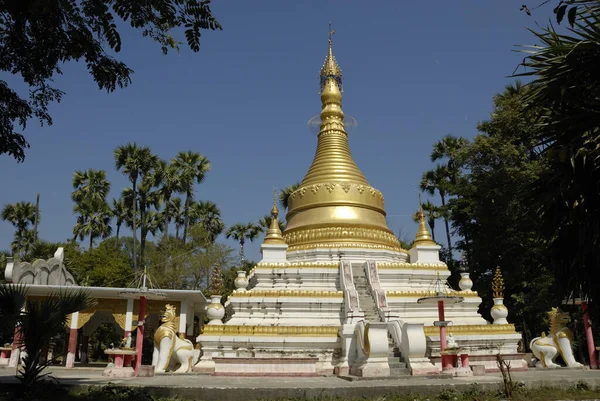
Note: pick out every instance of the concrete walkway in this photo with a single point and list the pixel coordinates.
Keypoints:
(215, 388)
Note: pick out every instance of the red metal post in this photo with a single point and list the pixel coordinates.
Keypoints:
(139, 340)
(442, 317)
(589, 336)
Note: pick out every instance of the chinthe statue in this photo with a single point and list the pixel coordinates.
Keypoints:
(169, 349)
(547, 347)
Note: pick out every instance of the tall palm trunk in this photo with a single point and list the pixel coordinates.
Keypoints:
(186, 222)
(143, 229)
(443, 196)
(177, 227)
(166, 228)
(134, 223)
(242, 241)
(118, 229)
(91, 241)
(431, 222)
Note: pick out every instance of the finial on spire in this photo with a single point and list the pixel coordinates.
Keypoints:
(331, 69)
(274, 235)
(423, 235)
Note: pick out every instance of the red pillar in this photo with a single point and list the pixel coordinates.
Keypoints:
(139, 340)
(17, 345)
(589, 336)
(442, 326)
(72, 348)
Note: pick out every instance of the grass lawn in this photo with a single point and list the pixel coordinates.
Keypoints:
(113, 393)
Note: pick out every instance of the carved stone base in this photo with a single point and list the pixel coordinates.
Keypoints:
(118, 372)
(372, 368)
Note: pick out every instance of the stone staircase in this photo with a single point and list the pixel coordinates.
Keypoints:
(367, 304)
(397, 366)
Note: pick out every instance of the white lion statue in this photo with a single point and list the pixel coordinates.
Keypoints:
(169, 349)
(547, 347)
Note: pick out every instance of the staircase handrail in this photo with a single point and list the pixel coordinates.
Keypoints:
(372, 274)
(351, 303)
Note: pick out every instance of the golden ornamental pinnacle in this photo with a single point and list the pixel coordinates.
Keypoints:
(423, 235)
(274, 235)
(498, 284)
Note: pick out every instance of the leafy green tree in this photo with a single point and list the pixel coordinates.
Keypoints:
(243, 232)
(284, 195)
(192, 167)
(104, 266)
(135, 162)
(36, 41)
(488, 212)
(42, 322)
(564, 93)
(20, 215)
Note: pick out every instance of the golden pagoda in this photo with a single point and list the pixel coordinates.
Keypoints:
(334, 206)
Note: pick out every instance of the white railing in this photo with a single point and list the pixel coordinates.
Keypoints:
(351, 304)
(372, 274)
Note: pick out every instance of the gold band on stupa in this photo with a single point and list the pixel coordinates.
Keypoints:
(334, 206)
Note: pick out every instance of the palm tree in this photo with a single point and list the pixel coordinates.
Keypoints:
(44, 321)
(192, 167)
(90, 185)
(168, 181)
(265, 223)
(437, 180)
(146, 198)
(242, 232)
(93, 220)
(121, 213)
(177, 213)
(449, 147)
(20, 215)
(284, 195)
(134, 162)
(208, 214)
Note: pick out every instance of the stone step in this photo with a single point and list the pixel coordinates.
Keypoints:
(399, 372)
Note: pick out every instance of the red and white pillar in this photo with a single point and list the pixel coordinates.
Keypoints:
(589, 336)
(128, 317)
(72, 348)
(15, 354)
(139, 340)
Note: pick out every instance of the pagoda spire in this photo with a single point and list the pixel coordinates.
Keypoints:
(423, 235)
(274, 235)
(333, 159)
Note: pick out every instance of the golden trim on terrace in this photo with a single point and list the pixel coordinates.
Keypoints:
(270, 331)
(419, 294)
(288, 293)
(296, 265)
(411, 266)
(472, 330)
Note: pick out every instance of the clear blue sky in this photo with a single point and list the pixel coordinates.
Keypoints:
(413, 72)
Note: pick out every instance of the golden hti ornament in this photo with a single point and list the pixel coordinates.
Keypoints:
(334, 206)
(498, 284)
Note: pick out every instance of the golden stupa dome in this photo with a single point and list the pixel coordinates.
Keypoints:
(334, 206)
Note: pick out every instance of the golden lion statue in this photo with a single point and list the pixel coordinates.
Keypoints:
(169, 349)
(547, 348)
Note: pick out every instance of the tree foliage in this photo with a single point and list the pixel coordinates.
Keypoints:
(38, 37)
(566, 73)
